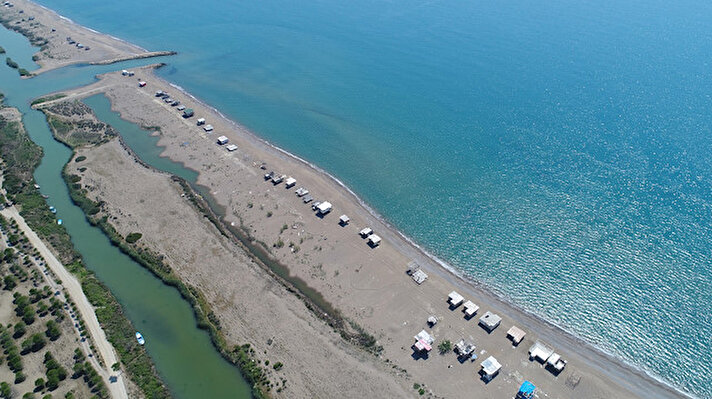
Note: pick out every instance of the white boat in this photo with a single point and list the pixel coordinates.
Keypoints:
(59, 221)
(52, 209)
(139, 338)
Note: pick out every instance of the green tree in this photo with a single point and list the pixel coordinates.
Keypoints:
(28, 315)
(52, 380)
(19, 330)
(445, 347)
(10, 282)
(28, 395)
(5, 391)
(39, 384)
(52, 331)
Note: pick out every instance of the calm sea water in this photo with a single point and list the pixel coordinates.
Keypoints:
(557, 151)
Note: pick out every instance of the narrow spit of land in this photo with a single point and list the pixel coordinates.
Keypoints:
(367, 285)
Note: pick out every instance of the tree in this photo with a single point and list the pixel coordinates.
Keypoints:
(39, 384)
(445, 347)
(28, 315)
(52, 331)
(20, 377)
(28, 395)
(19, 330)
(5, 391)
(116, 366)
(10, 282)
(52, 380)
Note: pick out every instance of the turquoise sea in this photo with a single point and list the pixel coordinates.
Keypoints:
(558, 152)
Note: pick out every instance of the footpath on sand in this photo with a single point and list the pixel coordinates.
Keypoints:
(117, 387)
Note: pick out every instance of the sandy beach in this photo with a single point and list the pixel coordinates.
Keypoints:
(368, 285)
(64, 42)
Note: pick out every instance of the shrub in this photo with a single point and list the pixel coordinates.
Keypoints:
(24, 72)
(11, 63)
(133, 237)
(80, 158)
(445, 347)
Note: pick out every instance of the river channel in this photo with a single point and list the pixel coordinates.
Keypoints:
(183, 354)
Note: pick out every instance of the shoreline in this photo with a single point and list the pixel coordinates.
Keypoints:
(433, 264)
(463, 282)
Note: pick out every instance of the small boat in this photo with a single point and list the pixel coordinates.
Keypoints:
(52, 209)
(59, 221)
(139, 338)
(45, 196)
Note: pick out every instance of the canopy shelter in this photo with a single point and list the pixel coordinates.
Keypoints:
(455, 299)
(516, 334)
(540, 352)
(470, 309)
(490, 368)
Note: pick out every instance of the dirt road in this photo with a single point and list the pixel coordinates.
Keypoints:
(106, 351)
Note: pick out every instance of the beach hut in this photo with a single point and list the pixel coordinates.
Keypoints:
(470, 309)
(423, 342)
(365, 232)
(454, 299)
(307, 199)
(290, 182)
(344, 220)
(201, 121)
(142, 84)
(276, 179)
(540, 352)
(208, 128)
(419, 276)
(231, 147)
(374, 240)
(301, 191)
(490, 368)
(323, 208)
(556, 363)
(188, 113)
(526, 391)
(222, 140)
(489, 321)
(516, 334)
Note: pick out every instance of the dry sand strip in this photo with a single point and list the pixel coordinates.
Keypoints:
(117, 388)
(369, 285)
(59, 52)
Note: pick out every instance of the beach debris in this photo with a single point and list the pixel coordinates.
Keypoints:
(516, 335)
(490, 321)
(454, 299)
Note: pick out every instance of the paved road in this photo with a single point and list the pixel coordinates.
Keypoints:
(85, 309)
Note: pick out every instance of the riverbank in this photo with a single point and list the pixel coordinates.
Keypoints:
(338, 264)
(104, 309)
(298, 341)
(63, 42)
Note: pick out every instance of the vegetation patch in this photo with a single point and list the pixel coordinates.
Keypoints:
(11, 63)
(21, 157)
(133, 237)
(47, 98)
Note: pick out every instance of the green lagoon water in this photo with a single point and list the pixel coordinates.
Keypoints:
(183, 354)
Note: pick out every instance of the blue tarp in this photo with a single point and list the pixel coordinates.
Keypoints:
(526, 390)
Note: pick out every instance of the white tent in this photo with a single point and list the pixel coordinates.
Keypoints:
(374, 240)
(231, 147)
(366, 232)
(470, 308)
(490, 367)
(324, 208)
(455, 299)
(490, 321)
(222, 140)
(290, 182)
(344, 220)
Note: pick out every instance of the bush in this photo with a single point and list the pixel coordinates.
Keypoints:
(133, 237)
(445, 347)
(24, 72)
(11, 63)
(53, 331)
(80, 158)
